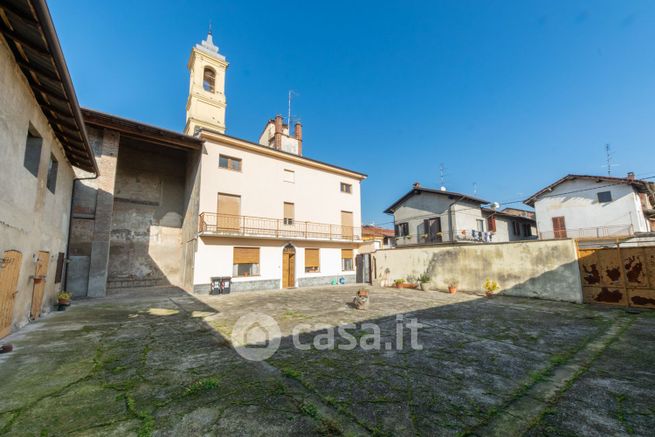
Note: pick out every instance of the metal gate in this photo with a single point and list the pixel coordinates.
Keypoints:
(363, 264)
(621, 276)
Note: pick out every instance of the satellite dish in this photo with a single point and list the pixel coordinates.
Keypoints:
(442, 188)
(495, 205)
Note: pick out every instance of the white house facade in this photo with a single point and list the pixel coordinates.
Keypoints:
(583, 206)
(269, 218)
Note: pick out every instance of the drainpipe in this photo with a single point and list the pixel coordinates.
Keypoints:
(70, 223)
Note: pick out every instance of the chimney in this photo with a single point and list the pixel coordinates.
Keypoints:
(298, 133)
(278, 132)
(631, 176)
(416, 185)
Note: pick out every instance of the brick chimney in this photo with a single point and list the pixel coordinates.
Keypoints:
(278, 132)
(298, 133)
(631, 176)
(416, 185)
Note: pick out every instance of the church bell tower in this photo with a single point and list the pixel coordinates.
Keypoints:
(206, 104)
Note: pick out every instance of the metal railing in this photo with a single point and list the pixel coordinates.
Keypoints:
(589, 233)
(243, 225)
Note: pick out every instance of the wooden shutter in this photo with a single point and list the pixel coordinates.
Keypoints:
(289, 210)
(559, 227)
(312, 258)
(229, 204)
(246, 255)
(60, 267)
(491, 223)
(347, 253)
(347, 224)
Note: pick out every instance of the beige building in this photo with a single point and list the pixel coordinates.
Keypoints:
(270, 218)
(43, 144)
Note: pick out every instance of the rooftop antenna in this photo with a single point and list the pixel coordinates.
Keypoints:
(292, 93)
(210, 27)
(442, 176)
(475, 188)
(609, 160)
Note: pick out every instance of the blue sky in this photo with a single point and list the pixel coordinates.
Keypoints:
(508, 95)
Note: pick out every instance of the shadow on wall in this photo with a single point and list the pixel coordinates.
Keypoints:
(546, 270)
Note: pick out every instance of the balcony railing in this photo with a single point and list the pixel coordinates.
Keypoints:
(589, 233)
(242, 225)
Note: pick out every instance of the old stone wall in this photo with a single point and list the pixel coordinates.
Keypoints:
(542, 269)
(149, 201)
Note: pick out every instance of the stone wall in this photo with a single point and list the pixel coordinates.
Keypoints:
(542, 269)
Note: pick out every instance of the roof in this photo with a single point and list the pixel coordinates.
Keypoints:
(376, 231)
(281, 153)
(640, 185)
(141, 131)
(31, 36)
(418, 190)
(505, 213)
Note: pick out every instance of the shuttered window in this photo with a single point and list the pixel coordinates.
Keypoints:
(289, 213)
(347, 224)
(347, 260)
(491, 223)
(246, 261)
(312, 261)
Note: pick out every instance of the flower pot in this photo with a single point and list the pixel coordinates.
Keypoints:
(362, 293)
(452, 290)
(63, 302)
(406, 285)
(489, 293)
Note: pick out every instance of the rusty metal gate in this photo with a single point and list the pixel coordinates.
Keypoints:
(621, 276)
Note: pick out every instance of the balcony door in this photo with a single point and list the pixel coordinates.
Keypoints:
(347, 225)
(229, 212)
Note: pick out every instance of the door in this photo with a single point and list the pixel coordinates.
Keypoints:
(559, 227)
(288, 267)
(347, 225)
(9, 272)
(432, 229)
(39, 284)
(229, 211)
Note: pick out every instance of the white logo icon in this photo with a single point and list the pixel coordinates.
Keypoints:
(256, 336)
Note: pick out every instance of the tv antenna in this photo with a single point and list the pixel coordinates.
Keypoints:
(609, 160)
(292, 94)
(442, 176)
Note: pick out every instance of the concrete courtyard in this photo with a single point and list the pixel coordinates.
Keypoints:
(159, 362)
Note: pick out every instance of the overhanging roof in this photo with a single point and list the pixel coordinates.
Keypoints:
(31, 36)
(450, 194)
(638, 184)
(141, 131)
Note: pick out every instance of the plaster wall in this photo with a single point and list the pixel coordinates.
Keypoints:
(32, 218)
(542, 269)
(582, 210)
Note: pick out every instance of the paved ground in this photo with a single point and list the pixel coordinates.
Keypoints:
(157, 362)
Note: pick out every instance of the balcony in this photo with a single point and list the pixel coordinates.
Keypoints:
(213, 224)
(600, 232)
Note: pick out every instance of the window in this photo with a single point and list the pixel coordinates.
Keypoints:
(289, 213)
(312, 261)
(245, 262)
(402, 229)
(32, 157)
(559, 227)
(289, 176)
(347, 260)
(480, 225)
(491, 223)
(516, 228)
(229, 162)
(229, 210)
(208, 80)
(53, 166)
(346, 188)
(527, 229)
(604, 196)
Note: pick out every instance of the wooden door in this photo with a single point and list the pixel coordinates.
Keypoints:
(288, 267)
(9, 273)
(559, 227)
(39, 284)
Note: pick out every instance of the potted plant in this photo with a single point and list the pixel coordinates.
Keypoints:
(452, 287)
(422, 280)
(63, 300)
(398, 283)
(490, 287)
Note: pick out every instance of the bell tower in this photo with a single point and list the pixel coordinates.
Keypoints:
(206, 104)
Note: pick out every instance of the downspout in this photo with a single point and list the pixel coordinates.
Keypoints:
(70, 223)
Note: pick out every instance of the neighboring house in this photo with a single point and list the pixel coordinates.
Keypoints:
(583, 206)
(376, 238)
(270, 217)
(429, 216)
(43, 139)
(510, 224)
